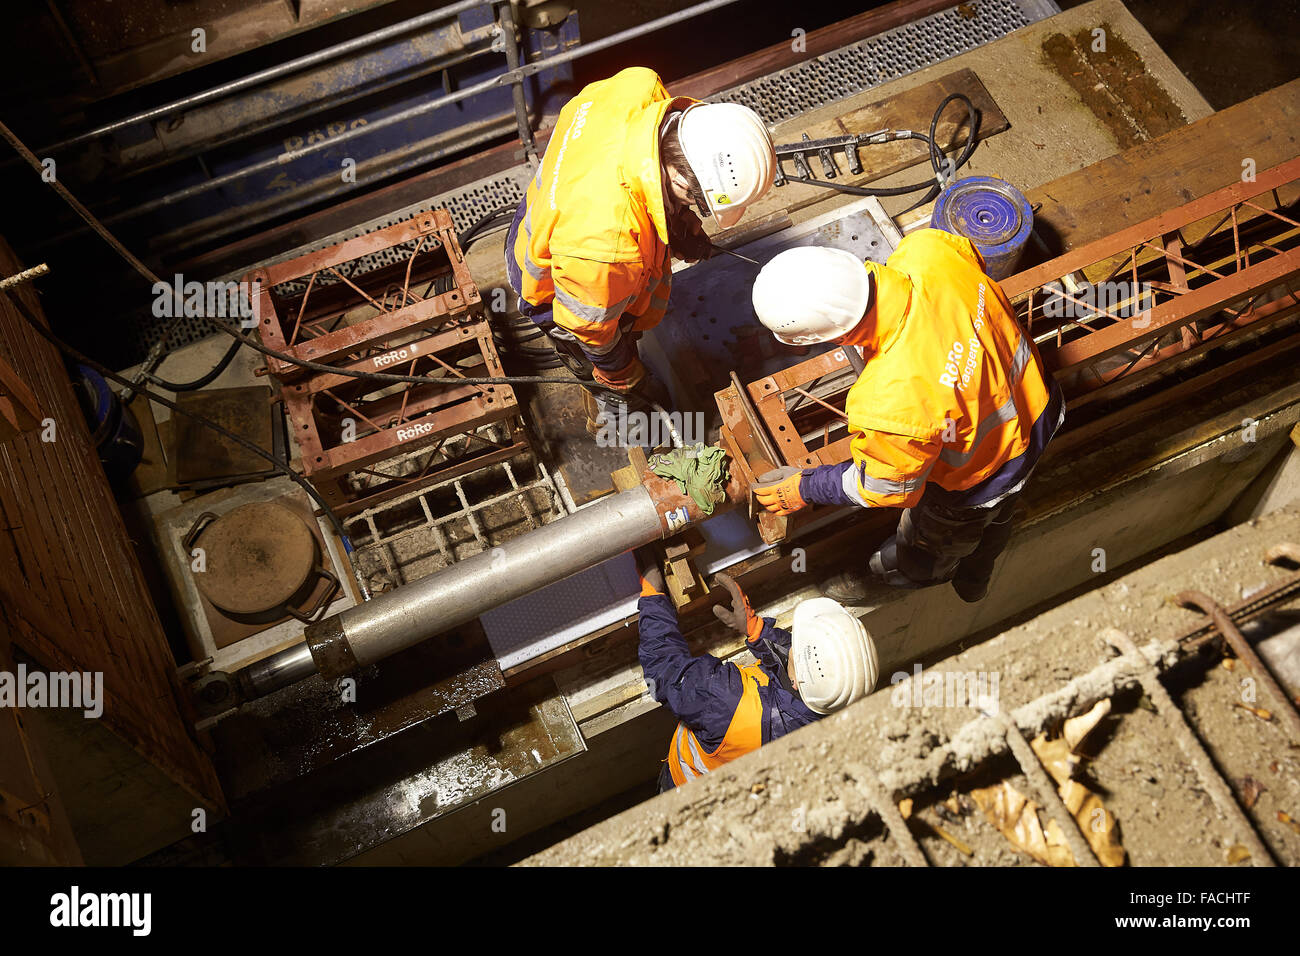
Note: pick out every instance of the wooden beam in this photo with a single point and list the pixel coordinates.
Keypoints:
(1166, 172)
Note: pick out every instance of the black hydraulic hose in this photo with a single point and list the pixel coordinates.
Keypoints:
(936, 159)
(936, 155)
(203, 380)
(468, 235)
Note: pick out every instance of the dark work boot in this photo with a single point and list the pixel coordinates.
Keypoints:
(848, 587)
(970, 590)
(974, 572)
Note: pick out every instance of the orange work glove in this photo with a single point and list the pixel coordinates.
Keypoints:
(623, 380)
(647, 566)
(778, 491)
(739, 615)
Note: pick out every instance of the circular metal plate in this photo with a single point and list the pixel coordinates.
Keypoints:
(992, 214)
(985, 212)
(257, 557)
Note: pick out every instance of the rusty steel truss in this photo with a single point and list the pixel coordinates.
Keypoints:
(364, 441)
(315, 308)
(1160, 295)
(1108, 318)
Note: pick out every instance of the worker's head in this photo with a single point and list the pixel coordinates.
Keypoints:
(812, 294)
(832, 657)
(719, 158)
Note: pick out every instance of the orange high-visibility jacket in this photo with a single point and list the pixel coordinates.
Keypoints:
(593, 243)
(952, 388)
(687, 758)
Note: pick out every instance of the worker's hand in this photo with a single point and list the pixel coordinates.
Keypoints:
(778, 491)
(687, 239)
(652, 576)
(739, 614)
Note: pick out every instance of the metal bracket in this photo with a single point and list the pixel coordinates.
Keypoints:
(825, 150)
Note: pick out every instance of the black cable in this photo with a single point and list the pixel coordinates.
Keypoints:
(203, 380)
(483, 222)
(936, 159)
(112, 376)
(408, 379)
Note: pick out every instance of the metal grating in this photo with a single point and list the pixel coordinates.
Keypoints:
(887, 56)
(420, 533)
(467, 206)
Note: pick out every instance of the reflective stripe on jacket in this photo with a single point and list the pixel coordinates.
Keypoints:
(724, 710)
(687, 759)
(591, 242)
(952, 387)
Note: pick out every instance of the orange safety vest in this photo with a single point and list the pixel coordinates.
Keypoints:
(952, 385)
(688, 760)
(593, 243)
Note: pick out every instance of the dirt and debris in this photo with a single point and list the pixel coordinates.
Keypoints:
(1112, 80)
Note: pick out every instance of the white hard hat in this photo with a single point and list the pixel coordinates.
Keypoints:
(731, 154)
(812, 294)
(834, 656)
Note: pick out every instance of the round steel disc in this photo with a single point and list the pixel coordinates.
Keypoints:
(986, 213)
(257, 556)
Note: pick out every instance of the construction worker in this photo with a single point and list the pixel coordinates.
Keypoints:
(724, 710)
(949, 416)
(590, 250)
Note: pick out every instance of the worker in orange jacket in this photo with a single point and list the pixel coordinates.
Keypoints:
(949, 416)
(590, 250)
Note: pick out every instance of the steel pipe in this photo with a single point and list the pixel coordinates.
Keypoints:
(390, 622)
(415, 612)
(282, 69)
(271, 673)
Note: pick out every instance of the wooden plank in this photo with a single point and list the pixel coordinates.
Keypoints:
(1176, 168)
(911, 109)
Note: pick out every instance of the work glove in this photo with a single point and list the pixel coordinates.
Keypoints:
(738, 615)
(652, 576)
(687, 239)
(778, 491)
(625, 379)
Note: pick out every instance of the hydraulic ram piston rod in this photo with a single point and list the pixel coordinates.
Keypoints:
(435, 604)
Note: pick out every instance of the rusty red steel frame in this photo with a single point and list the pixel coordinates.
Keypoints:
(315, 308)
(419, 313)
(347, 427)
(1218, 271)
